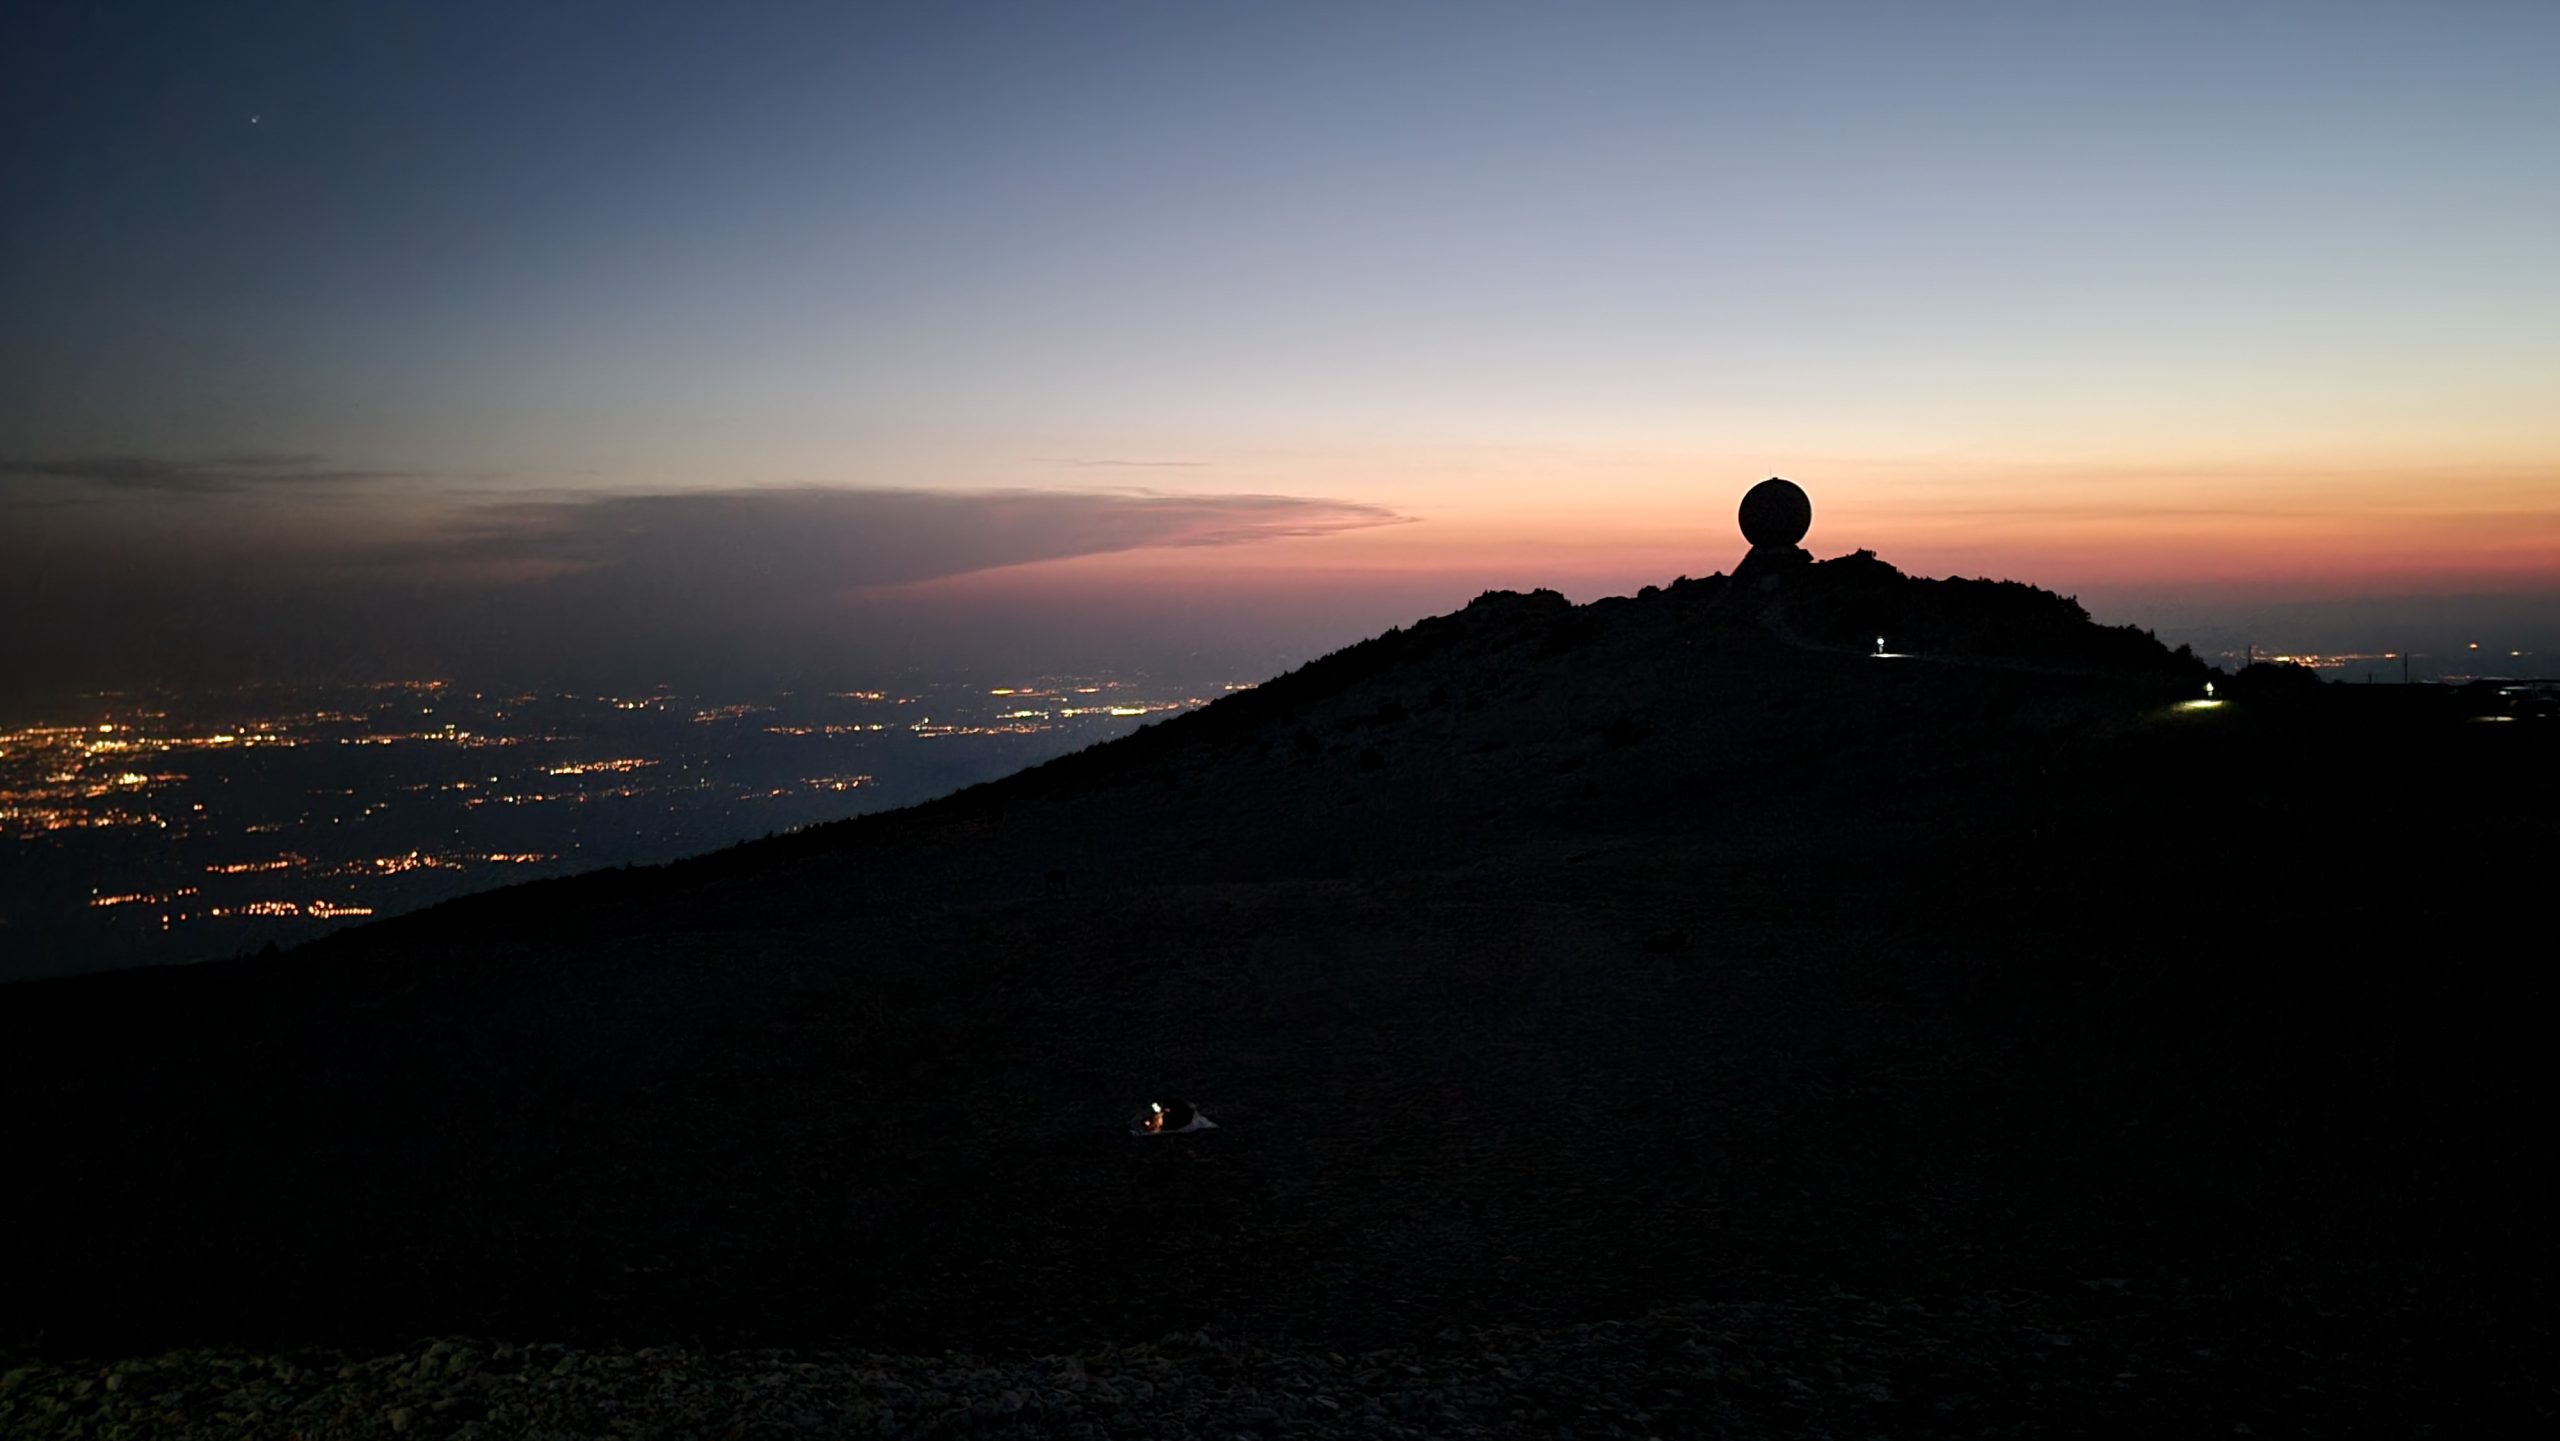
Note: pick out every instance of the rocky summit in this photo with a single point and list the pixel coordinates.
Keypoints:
(1815, 1002)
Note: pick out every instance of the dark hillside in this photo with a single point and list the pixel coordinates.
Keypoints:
(1542, 965)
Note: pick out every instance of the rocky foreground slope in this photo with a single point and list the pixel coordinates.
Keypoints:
(1982, 1040)
(1991, 1363)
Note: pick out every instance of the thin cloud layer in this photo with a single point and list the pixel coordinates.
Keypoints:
(736, 582)
(815, 541)
(203, 475)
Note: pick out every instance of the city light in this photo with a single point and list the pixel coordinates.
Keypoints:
(284, 862)
(590, 768)
(392, 795)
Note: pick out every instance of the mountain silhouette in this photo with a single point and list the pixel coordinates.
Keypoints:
(1541, 965)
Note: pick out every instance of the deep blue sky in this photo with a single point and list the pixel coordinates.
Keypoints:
(2188, 304)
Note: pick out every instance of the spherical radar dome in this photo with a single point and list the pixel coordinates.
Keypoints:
(1776, 513)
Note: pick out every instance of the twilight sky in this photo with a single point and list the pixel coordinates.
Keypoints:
(644, 339)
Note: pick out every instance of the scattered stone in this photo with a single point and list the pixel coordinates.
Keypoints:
(1740, 1370)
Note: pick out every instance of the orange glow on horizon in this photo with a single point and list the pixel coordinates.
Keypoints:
(2303, 528)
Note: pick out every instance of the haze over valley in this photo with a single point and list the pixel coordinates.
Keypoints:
(165, 827)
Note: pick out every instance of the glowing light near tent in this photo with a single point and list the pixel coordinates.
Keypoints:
(1159, 1119)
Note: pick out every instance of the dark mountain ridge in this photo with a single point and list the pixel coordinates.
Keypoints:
(1540, 963)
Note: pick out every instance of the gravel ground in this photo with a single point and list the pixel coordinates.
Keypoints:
(2120, 1358)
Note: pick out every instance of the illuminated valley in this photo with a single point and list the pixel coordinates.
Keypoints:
(154, 827)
